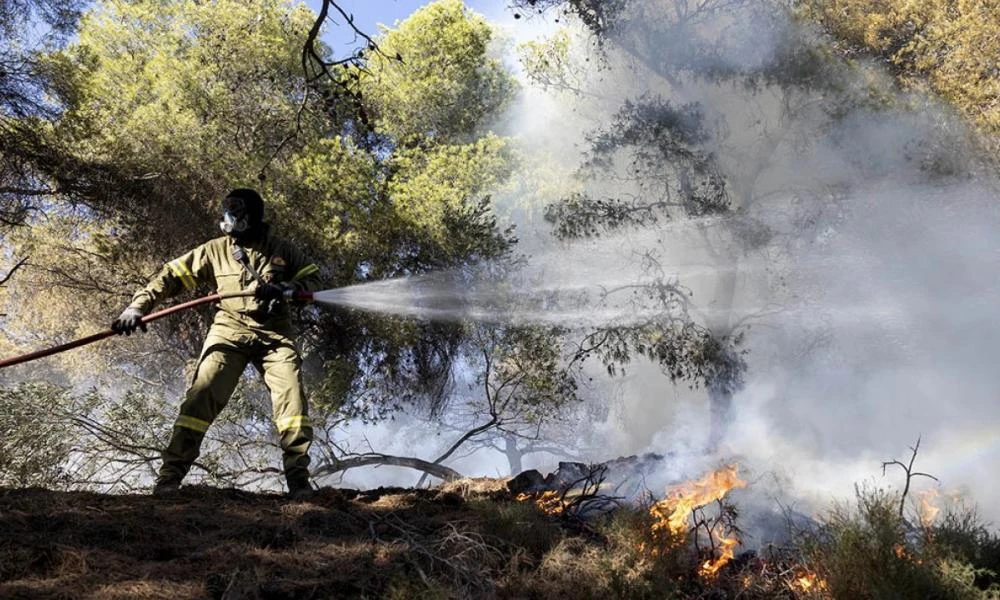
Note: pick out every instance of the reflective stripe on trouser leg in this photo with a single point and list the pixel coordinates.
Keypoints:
(216, 377)
(283, 378)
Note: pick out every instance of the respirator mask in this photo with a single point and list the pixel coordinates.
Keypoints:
(234, 216)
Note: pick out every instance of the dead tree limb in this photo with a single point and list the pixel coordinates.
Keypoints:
(311, 56)
(910, 473)
(375, 459)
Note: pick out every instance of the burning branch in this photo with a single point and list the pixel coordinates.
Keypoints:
(578, 498)
(684, 502)
(672, 512)
(722, 529)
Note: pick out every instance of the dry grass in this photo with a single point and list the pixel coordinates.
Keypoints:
(216, 543)
(476, 486)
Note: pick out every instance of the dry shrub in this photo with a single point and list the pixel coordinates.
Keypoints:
(961, 533)
(867, 550)
(146, 589)
(519, 524)
(617, 560)
(573, 569)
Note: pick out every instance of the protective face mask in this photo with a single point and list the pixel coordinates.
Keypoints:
(230, 224)
(234, 216)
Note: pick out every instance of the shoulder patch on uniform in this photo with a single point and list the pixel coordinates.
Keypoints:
(278, 261)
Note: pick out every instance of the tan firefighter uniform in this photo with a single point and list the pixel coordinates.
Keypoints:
(243, 332)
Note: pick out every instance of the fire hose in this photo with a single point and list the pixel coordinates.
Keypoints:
(90, 339)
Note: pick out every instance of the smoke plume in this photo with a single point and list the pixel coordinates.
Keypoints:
(857, 256)
(862, 241)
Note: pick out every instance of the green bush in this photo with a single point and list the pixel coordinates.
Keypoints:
(35, 442)
(867, 550)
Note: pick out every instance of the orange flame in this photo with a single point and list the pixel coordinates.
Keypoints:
(806, 581)
(900, 550)
(549, 502)
(929, 509)
(672, 512)
(726, 551)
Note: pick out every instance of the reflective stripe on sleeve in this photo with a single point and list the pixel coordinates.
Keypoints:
(192, 423)
(305, 271)
(297, 422)
(183, 273)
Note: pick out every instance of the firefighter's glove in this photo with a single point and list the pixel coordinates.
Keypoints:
(128, 322)
(269, 292)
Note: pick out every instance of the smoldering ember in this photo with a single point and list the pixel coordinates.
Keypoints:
(329, 298)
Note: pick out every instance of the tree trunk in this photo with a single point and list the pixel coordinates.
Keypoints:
(722, 386)
(513, 453)
(720, 403)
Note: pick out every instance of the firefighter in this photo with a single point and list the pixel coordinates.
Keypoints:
(255, 330)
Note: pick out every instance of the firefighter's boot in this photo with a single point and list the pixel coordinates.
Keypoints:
(166, 486)
(299, 488)
(180, 453)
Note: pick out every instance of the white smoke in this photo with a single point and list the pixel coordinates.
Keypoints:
(871, 289)
(878, 289)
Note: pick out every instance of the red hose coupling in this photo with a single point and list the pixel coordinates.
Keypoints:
(297, 296)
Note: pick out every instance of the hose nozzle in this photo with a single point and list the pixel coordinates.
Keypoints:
(297, 296)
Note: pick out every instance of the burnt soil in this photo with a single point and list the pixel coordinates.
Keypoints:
(204, 542)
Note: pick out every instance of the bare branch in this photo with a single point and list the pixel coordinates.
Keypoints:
(910, 473)
(13, 270)
(374, 459)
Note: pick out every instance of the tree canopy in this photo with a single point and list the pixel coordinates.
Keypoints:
(165, 109)
(162, 107)
(950, 46)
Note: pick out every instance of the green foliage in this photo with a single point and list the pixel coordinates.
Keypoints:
(964, 536)
(670, 177)
(184, 98)
(58, 438)
(26, 27)
(675, 178)
(22, 22)
(424, 205)
(434, 77)
(34, 444)
(949, 45)
(526, 378)
(552, 63)
(165, 105)
(661, 159)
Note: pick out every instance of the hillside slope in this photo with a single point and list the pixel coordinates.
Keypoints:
(467, 539)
